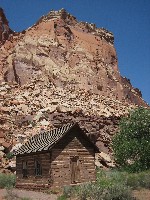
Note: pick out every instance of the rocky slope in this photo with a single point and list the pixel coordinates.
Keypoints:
(57, 71)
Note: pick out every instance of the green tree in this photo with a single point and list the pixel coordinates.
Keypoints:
(131, 145)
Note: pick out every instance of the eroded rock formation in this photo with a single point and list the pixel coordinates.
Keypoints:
(57, 71)
(5, 31)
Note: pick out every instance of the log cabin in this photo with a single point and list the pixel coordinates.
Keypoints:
(56, 158)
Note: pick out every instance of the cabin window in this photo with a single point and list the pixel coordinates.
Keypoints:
(24, 169)
(38, 168)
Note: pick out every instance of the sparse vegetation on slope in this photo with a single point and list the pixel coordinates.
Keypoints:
(110, 185)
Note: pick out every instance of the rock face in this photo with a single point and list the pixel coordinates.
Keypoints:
(63, 51)
(57, 71)
(5, 31)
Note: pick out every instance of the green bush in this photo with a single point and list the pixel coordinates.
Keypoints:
(114, 185)
(131, 145)
(118, 192)
(139, 180)
(7, 180)
(68, 191)
(109, 185)
(83, 191)
(9, 155)
(95, 192)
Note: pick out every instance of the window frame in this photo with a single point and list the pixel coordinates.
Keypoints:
(24, 169)
(37, 168)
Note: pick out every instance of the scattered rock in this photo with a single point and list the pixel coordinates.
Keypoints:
(105, 160)
(58, 71)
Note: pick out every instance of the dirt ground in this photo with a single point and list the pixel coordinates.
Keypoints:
(143, 194)
(24, 193)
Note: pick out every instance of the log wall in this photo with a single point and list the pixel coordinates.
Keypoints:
(33, 181)
(57, 164)
(74, 145)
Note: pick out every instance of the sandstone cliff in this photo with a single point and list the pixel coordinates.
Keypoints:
(5, 31)
(57, 71)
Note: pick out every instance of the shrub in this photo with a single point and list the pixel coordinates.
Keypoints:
(139, 180)
(9, 155)
(110, 185)
(84, 191)
(7, 180)
(118, 192)
(95, 192)
(68, 191)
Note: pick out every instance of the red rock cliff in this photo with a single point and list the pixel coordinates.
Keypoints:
(61, 70)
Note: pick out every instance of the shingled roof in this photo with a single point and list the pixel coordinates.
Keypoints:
(46, 140)
(43, 141)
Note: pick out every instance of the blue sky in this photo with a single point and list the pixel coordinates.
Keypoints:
(129, 20)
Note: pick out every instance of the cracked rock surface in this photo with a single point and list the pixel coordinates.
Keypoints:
(58, 71)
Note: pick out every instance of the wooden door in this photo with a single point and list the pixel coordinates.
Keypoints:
(75, 172)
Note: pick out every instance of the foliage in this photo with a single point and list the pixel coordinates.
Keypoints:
(113, 184)
(118, 192)
(10, 155)
(139, 180)
(109, 185)
(131, 144)
(68, 190)
(62, 197)
(7, 180)
(93, 191)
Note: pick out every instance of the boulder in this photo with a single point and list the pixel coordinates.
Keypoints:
(44, 122)
(106, 160)
(1, 148)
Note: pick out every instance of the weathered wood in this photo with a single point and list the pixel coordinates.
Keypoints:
(71, 160)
